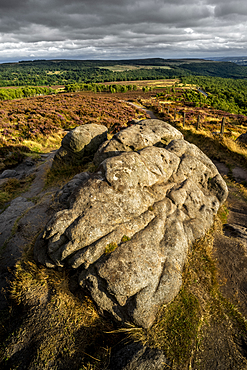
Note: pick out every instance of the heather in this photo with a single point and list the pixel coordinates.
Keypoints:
(39, 123)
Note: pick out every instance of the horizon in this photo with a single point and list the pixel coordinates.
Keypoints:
(121, 59)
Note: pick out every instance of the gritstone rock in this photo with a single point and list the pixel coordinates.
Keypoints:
(81, 141)
(127, 228)
(237, 231)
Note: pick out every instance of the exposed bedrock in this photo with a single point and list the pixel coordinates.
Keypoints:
(128, 227)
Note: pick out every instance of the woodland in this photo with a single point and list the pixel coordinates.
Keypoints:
(61, 72)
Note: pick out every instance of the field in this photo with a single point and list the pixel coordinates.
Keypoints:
(122, 68)
(62, 72)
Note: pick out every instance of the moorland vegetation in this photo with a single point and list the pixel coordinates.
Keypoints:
(69, 332)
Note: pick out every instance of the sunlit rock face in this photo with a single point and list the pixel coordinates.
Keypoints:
(128, 227)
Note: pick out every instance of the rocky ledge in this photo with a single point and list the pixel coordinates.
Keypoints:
(127, 228)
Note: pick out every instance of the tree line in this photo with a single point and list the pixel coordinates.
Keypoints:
(24, 92)
(225, 94)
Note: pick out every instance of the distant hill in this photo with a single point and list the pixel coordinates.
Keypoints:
(62, 71)
(241, 61)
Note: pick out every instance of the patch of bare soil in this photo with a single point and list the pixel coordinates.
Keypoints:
(231, 253)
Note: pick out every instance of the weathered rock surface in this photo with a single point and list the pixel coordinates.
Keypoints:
(128, 227)
(22, 220)
(145, 133)
(78, 180)
(80, 142)
(8, 218)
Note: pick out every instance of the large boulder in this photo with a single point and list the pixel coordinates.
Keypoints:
(147, 132)
(127, 228)
(82, 141)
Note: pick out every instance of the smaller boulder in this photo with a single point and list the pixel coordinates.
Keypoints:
(135, 356)
(82, 141)
(242, 138)
(8, 174)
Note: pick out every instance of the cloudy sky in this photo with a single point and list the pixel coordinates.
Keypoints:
(121, 29)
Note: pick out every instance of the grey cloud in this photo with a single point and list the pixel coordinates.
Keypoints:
(229, 9)
(96, 28)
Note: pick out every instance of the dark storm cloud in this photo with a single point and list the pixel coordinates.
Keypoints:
(112, 29)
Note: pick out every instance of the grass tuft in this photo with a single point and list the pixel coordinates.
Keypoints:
(223, 213)
(125, 239)
(66, 328)
(62, 174)
(12, 188)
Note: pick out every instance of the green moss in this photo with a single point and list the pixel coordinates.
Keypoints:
(177, 329)
(223, 213)
(110, 247)
(125, 239)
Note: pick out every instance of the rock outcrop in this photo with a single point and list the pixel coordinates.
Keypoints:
(82, 141)
(127, 228)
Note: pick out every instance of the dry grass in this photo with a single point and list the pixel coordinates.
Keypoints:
(62, 174)
(62, 328)
(223, 148)
(45, 144)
